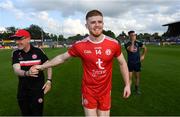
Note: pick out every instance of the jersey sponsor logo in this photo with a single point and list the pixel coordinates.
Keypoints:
(87, 52)
(96, 73)
(99, 63)
(34, 56)
(30, 62)
(108, 52)
(20, 56)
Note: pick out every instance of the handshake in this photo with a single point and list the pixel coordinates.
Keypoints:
(34, 71)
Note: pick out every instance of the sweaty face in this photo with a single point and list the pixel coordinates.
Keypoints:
(132, 36)
(95, 25)
(22, 43)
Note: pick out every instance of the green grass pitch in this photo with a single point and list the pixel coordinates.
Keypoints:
(160, 85)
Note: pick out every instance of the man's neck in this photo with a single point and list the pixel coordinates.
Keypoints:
(27, 48)
(96, 39)
(133, 41)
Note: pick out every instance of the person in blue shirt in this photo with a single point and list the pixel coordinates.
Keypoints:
(135, 57)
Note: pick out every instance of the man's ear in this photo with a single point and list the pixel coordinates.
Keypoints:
(28, 39)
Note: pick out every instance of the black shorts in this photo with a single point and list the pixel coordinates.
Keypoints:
(30, 98)
(136, 67)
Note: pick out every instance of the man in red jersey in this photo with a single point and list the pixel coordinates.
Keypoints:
(96, 52)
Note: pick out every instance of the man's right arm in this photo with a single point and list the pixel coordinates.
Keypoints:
(18, 71)
(55, 61)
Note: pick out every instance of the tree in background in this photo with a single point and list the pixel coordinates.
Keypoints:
(122, 37)
(36, 31)
(109, 33)
(9, 31)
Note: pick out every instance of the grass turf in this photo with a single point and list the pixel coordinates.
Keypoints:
(160, 85)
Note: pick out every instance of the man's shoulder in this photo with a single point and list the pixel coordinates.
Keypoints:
(38, 50)
(16, 51)
(111, 40)
(79, 42)
(127, 43)
(138, 41)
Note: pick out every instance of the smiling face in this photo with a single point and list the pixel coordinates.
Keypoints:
(95, 25)
(22, 43)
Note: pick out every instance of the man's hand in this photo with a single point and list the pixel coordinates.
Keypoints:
(142, 58)
(127, 91)
(47, 87)
(33, 71)
(38, 67)
(29, 73)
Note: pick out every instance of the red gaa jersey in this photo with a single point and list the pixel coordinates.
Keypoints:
(97, 59)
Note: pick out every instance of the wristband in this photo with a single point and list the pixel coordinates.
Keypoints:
(49, 80)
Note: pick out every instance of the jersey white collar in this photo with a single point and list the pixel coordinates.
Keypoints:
(98, 41)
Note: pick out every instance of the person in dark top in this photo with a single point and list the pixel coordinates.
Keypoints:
(31, 88)
(133, 48)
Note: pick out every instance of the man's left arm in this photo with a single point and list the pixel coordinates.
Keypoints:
(47, 85)
(125, 74)
(144, 51)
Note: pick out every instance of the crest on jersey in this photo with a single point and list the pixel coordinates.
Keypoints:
(40, 100)
(135, 49)
(108, 52)
(34, 56)
(85, 101)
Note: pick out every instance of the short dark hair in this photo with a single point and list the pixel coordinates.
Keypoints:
(132, 31)
(93, 13)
